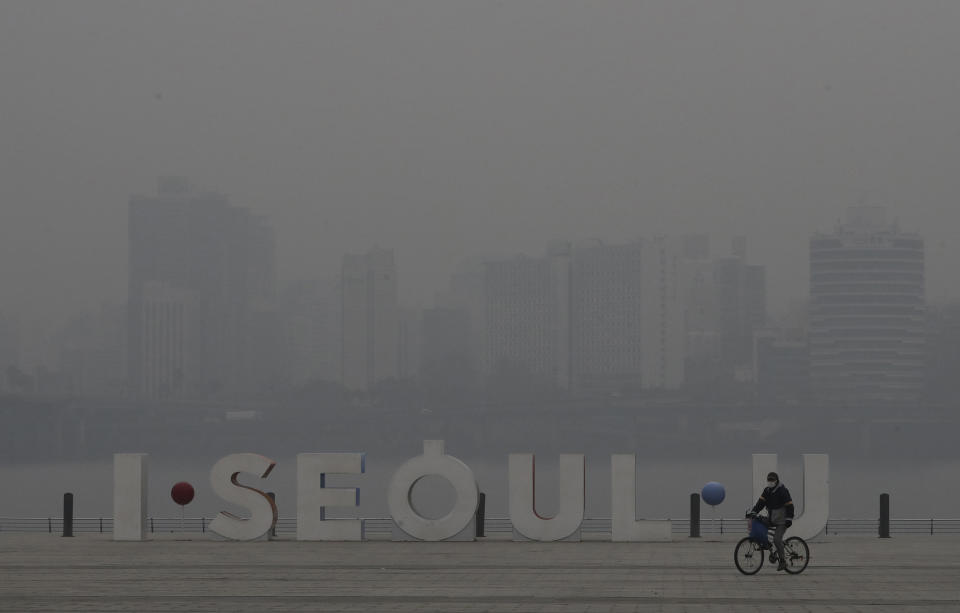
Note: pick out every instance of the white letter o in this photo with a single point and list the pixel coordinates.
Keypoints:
(433, 462)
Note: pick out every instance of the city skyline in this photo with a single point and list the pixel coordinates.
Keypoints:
(426, 295)
(345, 126)
(568, 316)
(940, 289)
(348, 135)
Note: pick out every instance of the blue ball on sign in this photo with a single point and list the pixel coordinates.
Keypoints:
(713, 493)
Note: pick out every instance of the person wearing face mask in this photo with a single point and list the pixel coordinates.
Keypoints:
(776, 498)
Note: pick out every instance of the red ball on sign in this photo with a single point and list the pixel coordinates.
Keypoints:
(182, 493)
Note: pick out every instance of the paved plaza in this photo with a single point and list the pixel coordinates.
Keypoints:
(93, 573)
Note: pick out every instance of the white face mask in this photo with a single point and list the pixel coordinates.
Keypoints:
(771, 483)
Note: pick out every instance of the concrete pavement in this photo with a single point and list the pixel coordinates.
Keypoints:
(93, 573)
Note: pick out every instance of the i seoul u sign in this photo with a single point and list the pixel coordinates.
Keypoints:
(314, 498)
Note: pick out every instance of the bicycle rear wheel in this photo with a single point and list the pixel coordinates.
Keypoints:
(748, 556)
(797, 554)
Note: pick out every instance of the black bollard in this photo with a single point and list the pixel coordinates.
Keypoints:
(68, 514)
(694, 515)
(273, 528)
(481, 508)
(884, 516)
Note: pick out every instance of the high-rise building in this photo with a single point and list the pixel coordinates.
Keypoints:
(724, 304)
(313, 338)
(699, 299)
(606, 314)
(527, 315)
(661, 306)
(595, 317)
(741, 305)
(169, 339)
(867, 308)
(466, 293)
(370, 319)
(214, 259)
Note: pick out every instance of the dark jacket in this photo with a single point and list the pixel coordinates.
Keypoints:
(775, 498)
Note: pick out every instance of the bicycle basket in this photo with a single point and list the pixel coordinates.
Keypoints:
(758, 531)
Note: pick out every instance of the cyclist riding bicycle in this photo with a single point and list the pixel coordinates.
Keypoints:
(776, 498)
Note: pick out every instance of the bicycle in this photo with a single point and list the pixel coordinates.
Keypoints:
(750, 551)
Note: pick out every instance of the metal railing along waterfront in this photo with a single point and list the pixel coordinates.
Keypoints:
(382, 526)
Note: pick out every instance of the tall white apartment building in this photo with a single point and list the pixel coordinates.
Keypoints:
(699, 298)
(528, 315)
(662, 333)
(222, 256)
(607, 323)
(867, 308)
(595, 316)
(169, 349)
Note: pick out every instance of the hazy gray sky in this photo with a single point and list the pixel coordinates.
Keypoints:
(447, 128)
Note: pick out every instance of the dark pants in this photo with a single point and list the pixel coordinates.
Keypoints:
(779, 530)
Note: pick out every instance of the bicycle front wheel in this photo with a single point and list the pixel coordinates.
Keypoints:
(797, 554)
(748, 556)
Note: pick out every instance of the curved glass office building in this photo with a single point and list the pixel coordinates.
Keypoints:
(867, 309)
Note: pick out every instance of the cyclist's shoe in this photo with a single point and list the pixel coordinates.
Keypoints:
(782, 565)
